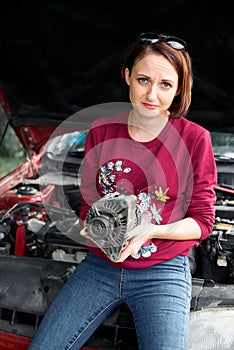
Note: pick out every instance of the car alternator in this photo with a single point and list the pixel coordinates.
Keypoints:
(109, 219)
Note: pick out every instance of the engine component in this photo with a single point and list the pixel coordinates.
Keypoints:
(221, 241)
(109, 219)
(217, 252)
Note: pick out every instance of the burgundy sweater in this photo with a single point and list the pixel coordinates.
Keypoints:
(173, 177)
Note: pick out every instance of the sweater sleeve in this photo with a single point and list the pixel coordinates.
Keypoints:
(201, 207)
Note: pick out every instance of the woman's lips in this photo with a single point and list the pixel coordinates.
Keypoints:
(149, 106)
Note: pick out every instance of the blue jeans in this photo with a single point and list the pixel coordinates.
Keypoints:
(158, 297)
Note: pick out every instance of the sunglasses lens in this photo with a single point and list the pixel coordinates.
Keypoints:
(149, 41)
(149, 38)
(148, 35)
(176, 45)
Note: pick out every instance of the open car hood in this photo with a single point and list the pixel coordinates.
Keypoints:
(58, 58)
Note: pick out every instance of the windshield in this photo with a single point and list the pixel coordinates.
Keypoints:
(12, 153)
(223, 145)
(70, 144)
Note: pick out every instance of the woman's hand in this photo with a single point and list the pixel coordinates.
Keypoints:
(136, 238)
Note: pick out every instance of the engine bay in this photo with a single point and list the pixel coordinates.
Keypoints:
(34, 222)
(40, 246)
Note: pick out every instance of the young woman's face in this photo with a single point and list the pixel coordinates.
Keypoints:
(153, 85)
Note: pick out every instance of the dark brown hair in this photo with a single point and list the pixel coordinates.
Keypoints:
(179, 59)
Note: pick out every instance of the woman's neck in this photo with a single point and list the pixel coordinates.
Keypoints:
(143, 128)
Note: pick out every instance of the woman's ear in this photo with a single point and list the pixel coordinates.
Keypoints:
(127, 76)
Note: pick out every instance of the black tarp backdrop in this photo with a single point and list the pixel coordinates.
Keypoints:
(59, 56)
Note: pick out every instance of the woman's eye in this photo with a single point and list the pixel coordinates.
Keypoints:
(166, 85)
(143, 80)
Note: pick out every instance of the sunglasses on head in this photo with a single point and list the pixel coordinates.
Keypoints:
(149, 38)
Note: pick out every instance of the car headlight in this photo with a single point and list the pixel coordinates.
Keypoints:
(212, 329)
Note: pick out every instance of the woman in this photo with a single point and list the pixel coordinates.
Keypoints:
(166, 161)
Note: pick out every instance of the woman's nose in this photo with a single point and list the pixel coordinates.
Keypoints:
(152, 92)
